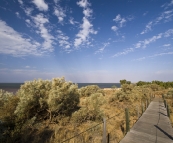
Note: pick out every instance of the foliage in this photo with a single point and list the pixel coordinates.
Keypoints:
(39, 98)
(90, 89)
(165, 85)
(114, 86)
(124, 81)
(90, 109)
(63, 97)
(7, 118)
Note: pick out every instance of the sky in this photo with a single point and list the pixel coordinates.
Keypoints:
(86, 41)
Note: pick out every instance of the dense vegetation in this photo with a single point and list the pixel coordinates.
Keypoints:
(52, 111)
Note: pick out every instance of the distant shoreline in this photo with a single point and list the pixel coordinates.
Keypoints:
(14, 87)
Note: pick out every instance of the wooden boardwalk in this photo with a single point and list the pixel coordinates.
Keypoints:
(152, 127)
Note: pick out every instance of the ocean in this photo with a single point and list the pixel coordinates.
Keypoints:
(13, 87)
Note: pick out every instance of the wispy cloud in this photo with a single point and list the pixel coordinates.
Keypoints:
(145, 43)
(161, 54)
(166, 45)
(167, 5)
(18, 15)
(28, 11)
(63, 41)
(102, 48)
(41, 5)
(120, 21)
(40, 20)
(72, 21)
(18, 45)
(163, 17)
(114, 28)
(60, 13)
(144, 14)
(86, 27)
(27, 67)
(153, 56)
(20, 1)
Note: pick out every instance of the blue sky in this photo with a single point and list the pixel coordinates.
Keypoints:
(86, 40)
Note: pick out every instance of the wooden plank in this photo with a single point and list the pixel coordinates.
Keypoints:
(152, 127)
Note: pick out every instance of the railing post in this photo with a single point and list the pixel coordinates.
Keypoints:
(108, 138)
(137, 111)
(168, 111)
(104, 130)
(165, 103)
(127, 119)
(142, 108)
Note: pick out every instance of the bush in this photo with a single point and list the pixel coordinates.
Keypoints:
(90, 110)
(44, 99)
(63, 97)
(8, 103)
(90, 89)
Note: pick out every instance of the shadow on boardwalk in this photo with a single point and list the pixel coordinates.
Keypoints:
(152, 127)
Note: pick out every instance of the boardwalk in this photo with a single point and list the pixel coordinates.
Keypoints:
(152, 127)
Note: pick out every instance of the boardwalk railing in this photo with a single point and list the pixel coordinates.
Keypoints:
(105, 131)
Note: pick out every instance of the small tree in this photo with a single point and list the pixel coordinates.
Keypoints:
(123, 81)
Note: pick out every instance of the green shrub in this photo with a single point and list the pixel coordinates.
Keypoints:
(90, 89)
(90, 110)
(40, 98)
(63, 97)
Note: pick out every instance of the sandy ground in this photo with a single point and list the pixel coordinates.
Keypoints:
(111, 88)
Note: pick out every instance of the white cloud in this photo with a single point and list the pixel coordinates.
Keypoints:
(167, 5)
(41, 5)
(102, 48)
(13, 43)
(28, 21)
(40, 22)
(147, 28)
(20, 1)
(144, 14)
(56, 1)
(28, 11)
(72, 21)
(144, 43)
(152, 56)
(166, 45)
(161, 54)
(168, 33)
(126, 51)
(27, 67)
(17, 14)
(63, 41)
(114, 28)
(117, 18)
(59, 12)
(165, 16)
(83, 3)
(87, 12)
(86, 26)
(120, 21)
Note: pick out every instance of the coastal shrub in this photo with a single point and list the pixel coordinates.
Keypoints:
(127, 87)
(32, 95)
(90, 89)
(7, 117)
(43, 99)
(90, 109)
(63, 97)
(4, 97)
